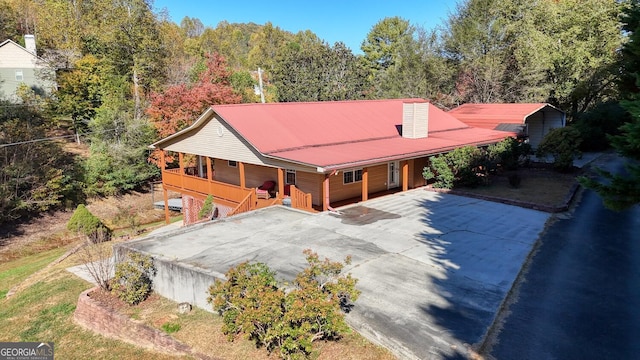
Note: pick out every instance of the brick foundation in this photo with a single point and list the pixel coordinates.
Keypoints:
(93, 316)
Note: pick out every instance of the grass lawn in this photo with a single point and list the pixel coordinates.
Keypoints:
(44, 312)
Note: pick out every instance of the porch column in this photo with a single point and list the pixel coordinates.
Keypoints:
(209, 175)
(280, 183)
(325, 193)
(365, 184)
(164, 190)
(242, 179)
(405, 175)
(181, 166)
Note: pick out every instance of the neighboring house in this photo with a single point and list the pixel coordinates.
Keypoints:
(19, 65)
(532, 121)
(316, 153)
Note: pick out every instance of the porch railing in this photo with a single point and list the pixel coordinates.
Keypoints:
(243, 199)
(220, 190)
(247, 204)
(300, 200)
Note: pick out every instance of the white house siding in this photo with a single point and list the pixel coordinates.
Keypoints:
(35, 74)
(14, 56)
(207, 141)
(540, 123)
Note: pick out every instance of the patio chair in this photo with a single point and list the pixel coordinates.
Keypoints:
(264, 191)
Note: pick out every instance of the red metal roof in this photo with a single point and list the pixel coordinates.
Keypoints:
(346, 133)
(489, 116)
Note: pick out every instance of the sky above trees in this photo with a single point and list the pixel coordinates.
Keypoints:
(332, 20)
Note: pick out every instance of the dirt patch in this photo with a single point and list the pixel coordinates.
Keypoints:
(541, 186)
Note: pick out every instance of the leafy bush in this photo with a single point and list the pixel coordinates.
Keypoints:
(509, 154)
(207, 208)
(439, 171)
(459, 167)
(563, 144)
(133, 278)
(84, 222)
(251, 303)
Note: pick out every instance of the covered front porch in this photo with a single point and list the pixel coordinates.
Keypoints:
(195, 179)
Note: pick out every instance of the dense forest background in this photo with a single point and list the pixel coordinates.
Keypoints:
(127, 76)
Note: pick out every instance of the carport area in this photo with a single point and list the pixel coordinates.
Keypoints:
(433, 268)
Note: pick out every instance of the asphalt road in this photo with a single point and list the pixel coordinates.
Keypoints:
(580, 298)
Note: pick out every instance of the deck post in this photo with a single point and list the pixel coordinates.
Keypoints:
(365, 184)
(405, 175)
(242, 179)
(166, 205)
(280, 183)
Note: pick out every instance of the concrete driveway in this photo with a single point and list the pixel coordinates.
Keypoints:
(433, 268)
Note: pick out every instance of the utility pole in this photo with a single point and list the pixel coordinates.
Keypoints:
(260, 85)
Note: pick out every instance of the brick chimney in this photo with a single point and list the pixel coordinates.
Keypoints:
(30, 44)
(415, 120)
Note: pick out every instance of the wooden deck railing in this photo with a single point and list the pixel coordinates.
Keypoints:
(220, 190)
(243, 199)
(247, 204)
(300, 200)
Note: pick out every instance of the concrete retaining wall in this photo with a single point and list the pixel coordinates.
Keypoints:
(177, 281)
(92, 315)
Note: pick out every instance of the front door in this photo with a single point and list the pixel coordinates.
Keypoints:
(394, 175)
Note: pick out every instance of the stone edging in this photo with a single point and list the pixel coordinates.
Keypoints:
(93, 316)
(550, 209)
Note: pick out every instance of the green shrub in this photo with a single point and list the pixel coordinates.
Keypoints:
(133, 278)
(563, 144)
(509, 154)
(251, 303)
(460, 167)
(84, 222)
(207, 208)
(439, 171)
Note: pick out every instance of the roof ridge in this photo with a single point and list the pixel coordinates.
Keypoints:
(331, 144)
(360, 140)
(326, 102)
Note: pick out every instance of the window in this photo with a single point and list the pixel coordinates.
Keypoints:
(351, 176)
(19, 75)
(290, 177)
(357, 175)
(232, 163)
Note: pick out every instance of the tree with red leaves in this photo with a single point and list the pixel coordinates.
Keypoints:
(180, 105)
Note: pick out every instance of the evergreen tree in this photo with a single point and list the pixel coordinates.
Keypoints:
(623, 191)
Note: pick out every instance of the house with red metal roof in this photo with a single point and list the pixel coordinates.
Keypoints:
(531, 121)
(312, 154)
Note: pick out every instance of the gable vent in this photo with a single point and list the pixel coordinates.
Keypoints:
(415, 120)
